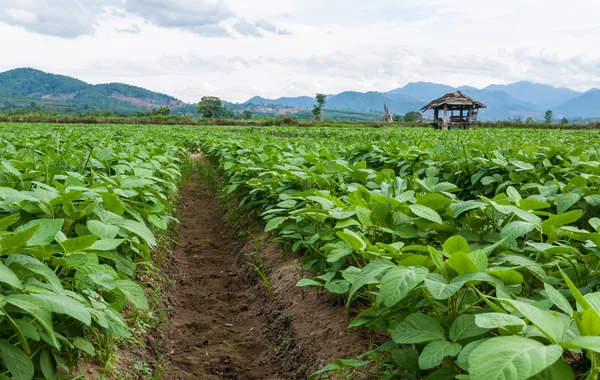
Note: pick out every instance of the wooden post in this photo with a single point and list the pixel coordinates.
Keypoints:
(445, 117)
(435, 116)
(470, 115)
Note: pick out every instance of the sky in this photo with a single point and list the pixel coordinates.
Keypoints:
(236, 49)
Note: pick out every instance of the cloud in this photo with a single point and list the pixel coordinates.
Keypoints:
(60, 18)
(197, 16)
(270, 27)
(133, 29)
(244, 27)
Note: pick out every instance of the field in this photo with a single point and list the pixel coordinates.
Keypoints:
(460, 254)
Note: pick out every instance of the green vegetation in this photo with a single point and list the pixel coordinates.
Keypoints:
(79, 207)
(475, 252)
(472, 252)
(317, 110)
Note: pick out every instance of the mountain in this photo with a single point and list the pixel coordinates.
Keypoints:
(586, 105)
(542, 95)
(412, 97)
(425, 91)
(24, 87)
(304, 102)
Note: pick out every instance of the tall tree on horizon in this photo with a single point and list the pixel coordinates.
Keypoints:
(318, 108)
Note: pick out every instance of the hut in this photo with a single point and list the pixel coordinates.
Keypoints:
(458, 110)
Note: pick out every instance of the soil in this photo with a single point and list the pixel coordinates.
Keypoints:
(225, 323)
(217, 327)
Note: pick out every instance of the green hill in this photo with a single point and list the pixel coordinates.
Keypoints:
(25, 88)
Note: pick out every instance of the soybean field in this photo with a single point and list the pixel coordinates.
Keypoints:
(458, 255)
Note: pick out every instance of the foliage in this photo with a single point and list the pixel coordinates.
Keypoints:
(210, 107)
(476, 252)
(78, 210)
(317, 110)
(413, 116)
(548, 117)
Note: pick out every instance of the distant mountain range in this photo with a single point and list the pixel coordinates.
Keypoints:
(25, 88)
(521, 99)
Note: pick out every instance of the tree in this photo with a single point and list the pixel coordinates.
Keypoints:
(210, 107)
(548, 117)
(564, 121)
(161, 111)
(413, 116)
(318, 108)
(247, 114)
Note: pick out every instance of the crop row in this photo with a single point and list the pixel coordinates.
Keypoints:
(476, 254)
(77, 213)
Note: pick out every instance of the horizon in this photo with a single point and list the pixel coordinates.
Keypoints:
(328, 94)
(236, 50)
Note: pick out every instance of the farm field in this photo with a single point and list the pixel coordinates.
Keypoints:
(460, 254)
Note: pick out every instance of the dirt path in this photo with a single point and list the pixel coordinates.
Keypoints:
(216, 323)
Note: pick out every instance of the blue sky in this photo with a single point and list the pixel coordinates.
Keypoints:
(237, 49)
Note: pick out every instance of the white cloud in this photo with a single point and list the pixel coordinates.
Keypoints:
(332, 46)
(245, 28)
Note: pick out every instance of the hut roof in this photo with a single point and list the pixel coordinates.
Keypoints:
(454, 98)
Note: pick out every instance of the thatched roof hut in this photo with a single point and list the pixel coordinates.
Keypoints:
(463, 110)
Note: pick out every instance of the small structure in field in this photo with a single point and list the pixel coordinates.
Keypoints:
(387, 117)
(462, 110)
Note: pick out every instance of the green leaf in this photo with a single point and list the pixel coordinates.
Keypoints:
(463, 358)
(456, 244)
(497, 320)
(507, 275)
(112, 203)
(434, 201)
(48, 366)
(516, 229)
(304, 282)
(104, 231)
(47, 230)
(16, 361)
(78, 244)
(558, 370)
(141, 230)
(8, 277)
(8, 221)
(464, 327)
(36, 309)
(65, 305)
(564, 201)
(418, 328)
(106, 244)
(133, 292)
(462, 263)
(341, 215)
(84, 345)
(274, 223)
(434, 353)
(574, 291)
(511, 358)
(562, 219)
(368, 275)
(590, 343)
(551, 325)
(352, 239)
(558, 299)
(407, 358)
(439, 288)
(513, 194)
(397, 283)
(426, 213)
